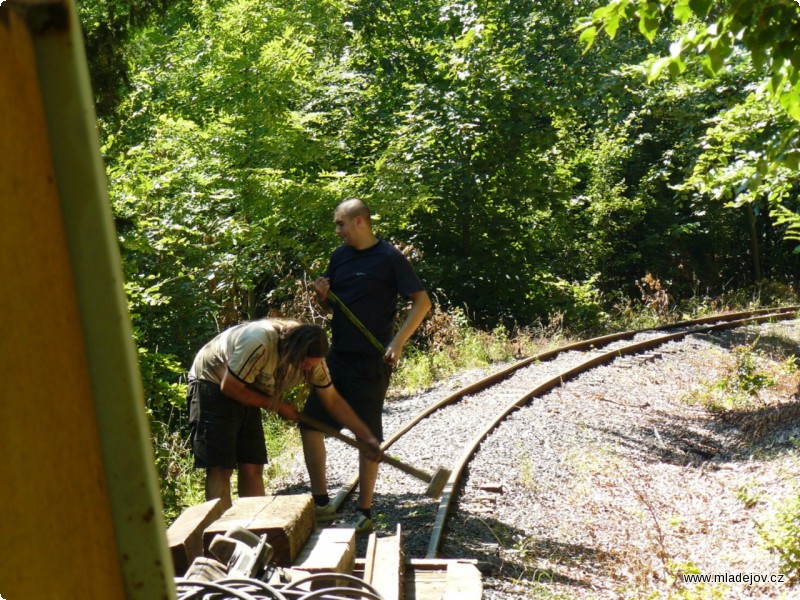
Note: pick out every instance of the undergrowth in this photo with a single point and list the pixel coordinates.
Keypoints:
(757, 390)
(780, 531)
(451, 344)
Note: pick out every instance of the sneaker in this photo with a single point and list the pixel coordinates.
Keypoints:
(325, 513)
(363, 524)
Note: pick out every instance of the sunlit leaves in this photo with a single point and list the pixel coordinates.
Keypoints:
(769, 32)
(682, 11)
(790, 102)
(790, 220)
(673, 62)
(749, 156)
(701, 7)
(587, 37)
(648, 20)
(606, 18)
(768, 29)
(214, 159)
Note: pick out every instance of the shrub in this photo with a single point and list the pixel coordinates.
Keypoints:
(781, 533)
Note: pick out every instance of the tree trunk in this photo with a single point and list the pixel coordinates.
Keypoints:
(751, 221)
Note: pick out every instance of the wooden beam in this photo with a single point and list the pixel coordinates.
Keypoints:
(437, 579)
(287, 520)
(328, 550)
(185, 535)
(384, 565)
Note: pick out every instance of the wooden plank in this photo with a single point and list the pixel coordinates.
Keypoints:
(463, 582)
(425, 584)
(185, 535)
(385, 565)
(367, 572)
(437, 564)
(331, 550)
(437, 579)
(286, 520)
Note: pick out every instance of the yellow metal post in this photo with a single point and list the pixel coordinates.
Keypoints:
(80, 513)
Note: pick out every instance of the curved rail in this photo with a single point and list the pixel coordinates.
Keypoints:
(470, 449)
(592, 343)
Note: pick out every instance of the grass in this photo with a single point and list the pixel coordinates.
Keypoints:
(181, 484)
(780, 531)
(758, 389)
(450, 344)
(282, 444)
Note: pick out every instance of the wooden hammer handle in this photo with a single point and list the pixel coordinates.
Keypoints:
(356, 443)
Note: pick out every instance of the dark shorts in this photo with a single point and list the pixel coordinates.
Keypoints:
(223, 432)
(363, 381)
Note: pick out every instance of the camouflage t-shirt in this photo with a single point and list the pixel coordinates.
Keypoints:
(250, 352)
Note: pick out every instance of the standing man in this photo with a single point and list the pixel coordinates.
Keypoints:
(367, 274)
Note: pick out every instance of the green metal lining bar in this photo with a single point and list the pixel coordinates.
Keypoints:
(347, 312)
(97, 270)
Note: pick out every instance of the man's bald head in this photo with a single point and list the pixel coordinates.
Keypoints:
(353, 208)
(353, 224)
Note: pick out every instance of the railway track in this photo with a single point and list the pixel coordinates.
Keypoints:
(471, 413)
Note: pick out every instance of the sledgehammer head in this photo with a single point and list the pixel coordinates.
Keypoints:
(437, 483)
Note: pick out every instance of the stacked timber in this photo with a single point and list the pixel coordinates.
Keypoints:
(287, 521)
(206, 539)
(185, 536)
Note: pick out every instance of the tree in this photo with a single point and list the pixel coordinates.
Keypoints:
(459, 105)
(758, 159)
(108, 26)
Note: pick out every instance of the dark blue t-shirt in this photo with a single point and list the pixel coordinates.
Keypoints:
(368, 282)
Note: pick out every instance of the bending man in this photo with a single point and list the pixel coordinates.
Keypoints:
(246, 368)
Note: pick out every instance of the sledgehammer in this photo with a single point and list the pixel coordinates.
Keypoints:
(436, 482)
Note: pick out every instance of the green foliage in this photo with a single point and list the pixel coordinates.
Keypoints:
(767, 29)
(521, 174)
(452, 344)
(108, 26)
(282, 443)
(748, 496)
(481, 151)
(749, 379)
(784, 216)
(759, 158)
(181, 484)
(216, 178)
(738, 389)
(160, 373)
(781, 533)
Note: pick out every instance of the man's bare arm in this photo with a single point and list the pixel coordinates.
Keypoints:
(420, 305)
(239, 391)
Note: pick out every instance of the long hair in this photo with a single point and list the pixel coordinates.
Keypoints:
(297, 341)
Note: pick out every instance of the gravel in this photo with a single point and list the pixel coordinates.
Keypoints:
(610, 486)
